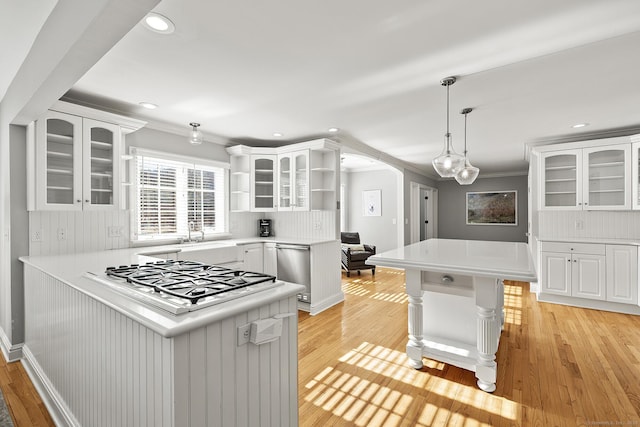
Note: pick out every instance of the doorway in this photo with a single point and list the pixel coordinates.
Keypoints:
(424, 212)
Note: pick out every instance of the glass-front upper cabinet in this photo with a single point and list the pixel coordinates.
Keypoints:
(263, 179)
(101, 142)
(293, 181)
(76, 163)
(607, 180)
(300, 160)
(561, 180)
(284, 182)
(58, 161)
(635, 172)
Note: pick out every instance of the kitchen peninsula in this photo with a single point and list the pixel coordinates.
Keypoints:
(100, 355)
(456, 299)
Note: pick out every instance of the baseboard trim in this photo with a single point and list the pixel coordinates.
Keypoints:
(59, 412)
(587, 303)
(11, 352)
(326, 303)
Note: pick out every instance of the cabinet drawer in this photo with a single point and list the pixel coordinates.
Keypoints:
(576, 248)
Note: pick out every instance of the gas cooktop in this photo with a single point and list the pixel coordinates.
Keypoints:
(182, 286)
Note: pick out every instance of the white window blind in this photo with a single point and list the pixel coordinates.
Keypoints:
(174, 195)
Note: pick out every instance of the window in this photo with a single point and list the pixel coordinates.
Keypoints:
(174, 194)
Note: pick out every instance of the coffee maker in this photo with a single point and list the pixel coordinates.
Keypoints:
(264, 227)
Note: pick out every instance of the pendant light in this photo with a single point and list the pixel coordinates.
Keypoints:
(468, 174)
(448, 163)
(195, 136)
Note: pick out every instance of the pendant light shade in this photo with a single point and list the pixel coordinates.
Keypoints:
(195, 136)
(448, 163)
(468, 174)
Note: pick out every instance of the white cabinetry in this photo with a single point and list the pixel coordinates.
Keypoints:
(74, 159)
(576, 270)
(635, 172)
(622, 274)
(300, 177)
(591, 178)
(270, 265)
(253, 257)
(263, 182)
(293, 181)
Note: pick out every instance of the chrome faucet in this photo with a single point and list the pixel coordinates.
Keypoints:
(189, 228)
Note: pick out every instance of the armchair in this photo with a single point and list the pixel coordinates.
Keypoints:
(354, 254)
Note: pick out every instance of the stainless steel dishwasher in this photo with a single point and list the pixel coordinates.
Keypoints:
(294, 265)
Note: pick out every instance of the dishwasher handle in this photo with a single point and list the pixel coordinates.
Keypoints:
(296, 247)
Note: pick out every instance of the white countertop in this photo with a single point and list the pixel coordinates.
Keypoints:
(70, 269)
(504, 260)
(602, 240)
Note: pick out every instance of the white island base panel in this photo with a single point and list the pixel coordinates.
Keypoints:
(470, 314)
(94, 366)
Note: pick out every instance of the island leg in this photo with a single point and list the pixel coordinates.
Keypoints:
(489, 324)
(415, 318)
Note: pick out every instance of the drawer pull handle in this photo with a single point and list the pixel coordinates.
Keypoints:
(447, 279)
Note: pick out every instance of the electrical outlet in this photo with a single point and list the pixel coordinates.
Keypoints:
(243, 334)
(114, 231)
(62, 234)
(579, 224)
(317, 225)
(36, 236)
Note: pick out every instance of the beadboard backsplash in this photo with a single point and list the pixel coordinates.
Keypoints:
(314, 224)
(590, 224)
(63, 232)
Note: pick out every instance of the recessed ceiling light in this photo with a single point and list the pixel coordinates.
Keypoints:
(333, 130)
(277, 134)
(159, 23)
(580, 125)
(148, 105)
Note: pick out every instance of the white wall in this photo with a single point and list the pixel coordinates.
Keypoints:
(381, 231)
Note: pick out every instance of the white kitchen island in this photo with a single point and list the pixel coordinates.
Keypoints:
(456, 299)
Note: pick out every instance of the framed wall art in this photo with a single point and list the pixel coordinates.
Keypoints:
(492, 208)
(371, 202)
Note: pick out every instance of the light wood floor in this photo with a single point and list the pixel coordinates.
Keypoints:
(557, 366)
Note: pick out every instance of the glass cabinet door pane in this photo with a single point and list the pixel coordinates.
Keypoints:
(606, 178)
(102, 148)
(302, 190)
(285, 182)
(263, 184)
(560, 180)
(59, 160)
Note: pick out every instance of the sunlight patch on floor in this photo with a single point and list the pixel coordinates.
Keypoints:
(361, 402)
(513, 304)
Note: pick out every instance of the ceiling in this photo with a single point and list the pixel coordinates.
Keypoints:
(244, 70)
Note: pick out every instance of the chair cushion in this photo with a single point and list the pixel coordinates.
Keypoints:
(349, 237)
(360, 255)
(352, 247)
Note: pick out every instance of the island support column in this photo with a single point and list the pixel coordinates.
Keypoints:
(413, 280)
(489, 302)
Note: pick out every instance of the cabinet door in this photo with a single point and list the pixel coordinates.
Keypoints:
(588, 276)
(263, 181)
(635, 175)
(606, 182)
(58, 162)
(285, 193)
(622, 274)
(101, 157)
(556, 273)
(270, 259)
(253, 258)
(300, 161)
(561, 180)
